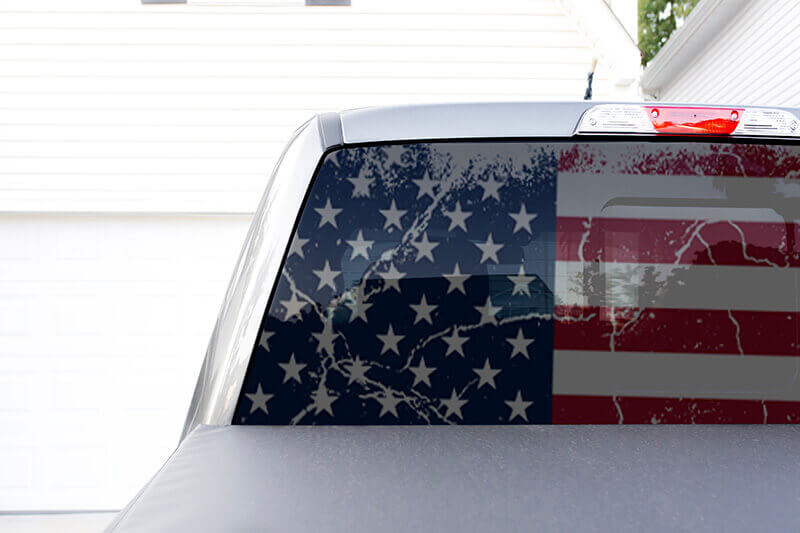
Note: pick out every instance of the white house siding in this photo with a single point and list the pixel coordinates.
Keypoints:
(755, 60)
(134, 143)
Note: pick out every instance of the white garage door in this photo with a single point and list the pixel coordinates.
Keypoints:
(103, 323)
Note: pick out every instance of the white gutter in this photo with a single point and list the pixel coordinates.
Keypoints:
(615, 48)
(706, 21)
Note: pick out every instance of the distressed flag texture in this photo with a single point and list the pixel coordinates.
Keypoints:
(677, 284)
(525, 282)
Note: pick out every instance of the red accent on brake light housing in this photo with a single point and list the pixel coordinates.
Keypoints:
(694, 120)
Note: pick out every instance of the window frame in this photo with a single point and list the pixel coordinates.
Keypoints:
(573, 139)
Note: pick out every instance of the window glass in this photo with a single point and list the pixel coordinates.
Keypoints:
(531, 282)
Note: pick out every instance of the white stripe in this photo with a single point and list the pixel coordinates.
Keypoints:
(676, 286)
(680, 197)
(647, 374)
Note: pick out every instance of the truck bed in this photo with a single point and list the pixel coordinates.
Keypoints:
(474, 478)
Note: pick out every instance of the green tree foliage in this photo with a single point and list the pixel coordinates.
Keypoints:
(657, 20)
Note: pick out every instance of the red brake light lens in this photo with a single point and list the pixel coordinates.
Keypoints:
(688, 120)
(694, 120)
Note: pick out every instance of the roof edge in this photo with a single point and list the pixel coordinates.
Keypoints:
(704, 23)
(462, 121)
(477, 120)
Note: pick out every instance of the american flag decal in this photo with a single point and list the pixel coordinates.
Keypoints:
(523, 282)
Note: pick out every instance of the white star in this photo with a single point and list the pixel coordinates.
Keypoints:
(423, 311)
(392, 216)
(264, 340)
(422, 373)
(390, 340)
(327, 214)
(388, 403)
(521, 282)
(520, 344)
(486, 374)
(392, 278)
(325, 338)
(326, 276)
(360, 247)
(487, 311)
(522, 220)
(358, 371)
(259, 400)
(297, 246)
(489, 250)
(293, 306)
(292, 370)
(518, 407)
(322, 400)
(424, 248)
(453, 404)
(358, 309)
(458, 218)
(456, 280)
(426, 185)
(491, 187)
(455, 343)
(360, 186)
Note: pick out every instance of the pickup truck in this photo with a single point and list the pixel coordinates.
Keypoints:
(479, 317)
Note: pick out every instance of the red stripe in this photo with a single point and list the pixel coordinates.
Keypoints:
(665, 241)
(689, 159)
(677, 330)
(637, 410)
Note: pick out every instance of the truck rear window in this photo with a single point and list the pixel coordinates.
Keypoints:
(537, 282)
